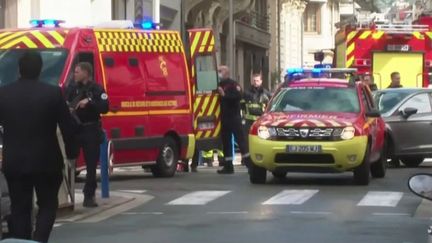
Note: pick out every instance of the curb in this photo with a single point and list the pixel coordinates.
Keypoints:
(116, 204)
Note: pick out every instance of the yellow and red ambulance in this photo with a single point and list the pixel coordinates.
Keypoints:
(151, 86)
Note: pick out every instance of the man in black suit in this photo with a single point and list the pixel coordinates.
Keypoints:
(32, 160)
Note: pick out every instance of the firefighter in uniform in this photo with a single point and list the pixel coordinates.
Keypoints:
(256, 99)
(87, 100)
(230, 93)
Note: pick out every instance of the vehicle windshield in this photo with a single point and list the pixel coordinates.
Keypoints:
(53, 64)
(316, 99)
(387, 100)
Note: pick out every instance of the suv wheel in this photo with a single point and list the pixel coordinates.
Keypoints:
(394, 160)
(413, 161)
(257, 175)
(361, 173)
(379, 167)
(166, 163)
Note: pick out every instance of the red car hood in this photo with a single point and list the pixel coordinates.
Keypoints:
(308, 119)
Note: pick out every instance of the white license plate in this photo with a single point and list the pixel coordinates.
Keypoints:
(206, 126)
(304, 149)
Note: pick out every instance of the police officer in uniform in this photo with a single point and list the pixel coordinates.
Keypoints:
(87, 100)
(256, 99)
(230, 93)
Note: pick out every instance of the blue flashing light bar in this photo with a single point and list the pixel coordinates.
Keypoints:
(39, 23)
(146, 25)
(325, 71)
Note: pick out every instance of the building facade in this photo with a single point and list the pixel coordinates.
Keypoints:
(252, 33)
(18, 13)
(304, 28)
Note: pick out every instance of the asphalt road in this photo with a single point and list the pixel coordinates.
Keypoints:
(207, 207)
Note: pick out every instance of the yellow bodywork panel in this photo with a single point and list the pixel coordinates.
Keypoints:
(341, 55)
(191, 146)
(409, 65)
(347, 154)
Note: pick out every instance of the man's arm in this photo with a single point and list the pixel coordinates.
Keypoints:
(99, 101)
(233, 92)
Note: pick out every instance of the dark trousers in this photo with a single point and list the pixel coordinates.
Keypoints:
(233, 127)
(21, 196)
(89, 140)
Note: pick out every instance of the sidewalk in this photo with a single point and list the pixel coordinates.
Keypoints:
(117, 203)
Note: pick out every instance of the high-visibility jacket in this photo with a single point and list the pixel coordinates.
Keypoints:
(209, 154)
(255, 101)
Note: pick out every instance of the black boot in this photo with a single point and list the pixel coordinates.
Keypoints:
(226, 170)
(89, 202)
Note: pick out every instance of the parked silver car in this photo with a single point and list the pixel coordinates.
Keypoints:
(408, 116)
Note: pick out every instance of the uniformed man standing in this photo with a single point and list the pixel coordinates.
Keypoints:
(87, 100)
(256, 99)
(230, 93)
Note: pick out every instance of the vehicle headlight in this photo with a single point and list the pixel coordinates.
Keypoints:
(348, 133)
(266, 132)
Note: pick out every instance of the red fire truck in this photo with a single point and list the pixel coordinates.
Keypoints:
(381, 48)
(150, 84)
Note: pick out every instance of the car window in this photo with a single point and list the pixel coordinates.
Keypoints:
(365, 100)
(421, 102)
(53, 64)
(386, 101)
(316, 99)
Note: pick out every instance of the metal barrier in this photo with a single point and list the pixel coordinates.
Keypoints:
(66, 193)
(104, 166)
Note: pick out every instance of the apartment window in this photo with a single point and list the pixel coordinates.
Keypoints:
(312, 18)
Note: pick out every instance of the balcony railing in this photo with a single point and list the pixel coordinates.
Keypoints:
(257, 20)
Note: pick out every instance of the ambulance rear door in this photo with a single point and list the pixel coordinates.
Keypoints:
(207, 123)
(409, 65)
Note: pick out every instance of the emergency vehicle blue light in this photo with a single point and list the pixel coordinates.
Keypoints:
(147, 25)
(316, 70)
(295, 70)
(45, 22)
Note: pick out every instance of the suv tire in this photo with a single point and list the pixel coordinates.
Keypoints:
(379, 167)
(257, 175)
(361, 173)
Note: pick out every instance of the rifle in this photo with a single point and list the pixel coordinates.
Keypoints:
(82, 94)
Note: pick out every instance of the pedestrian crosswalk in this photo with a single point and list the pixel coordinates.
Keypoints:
(383, 199)
(198, 198)
(294, 197)
(284, 197)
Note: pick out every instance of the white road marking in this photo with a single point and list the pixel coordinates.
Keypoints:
(241, 212)
(143, 213)
(57, 225)
(391, 214)
(134, 191)
(198, 198)
(291, 197)
(381, 199)
(307, 212)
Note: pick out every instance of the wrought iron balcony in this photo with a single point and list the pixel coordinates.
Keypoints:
(257, 20)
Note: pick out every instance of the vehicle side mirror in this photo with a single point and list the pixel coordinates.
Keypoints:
(407, 112)
(373, 113)
(421, 185)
